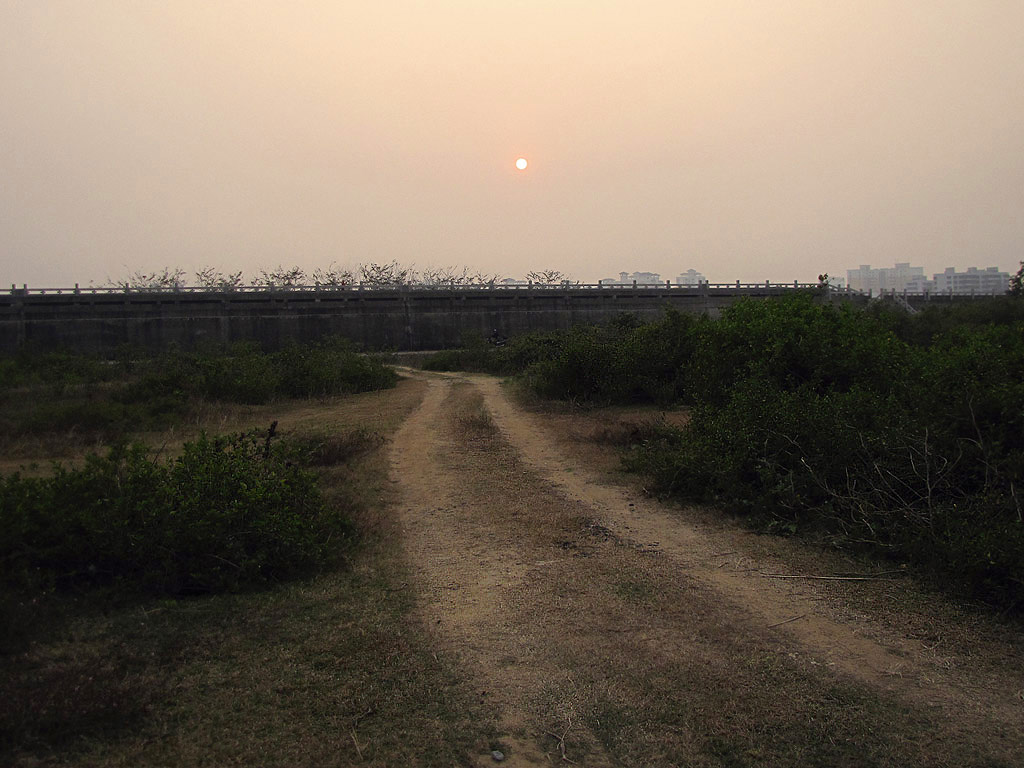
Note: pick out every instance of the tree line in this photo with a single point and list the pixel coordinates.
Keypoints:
(373, 274)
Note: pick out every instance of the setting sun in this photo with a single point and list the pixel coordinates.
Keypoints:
(521, 163)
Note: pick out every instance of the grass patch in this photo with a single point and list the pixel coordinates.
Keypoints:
(79, 399)
(633, 591)
(295, 676)
(328, 669)
(477, 420)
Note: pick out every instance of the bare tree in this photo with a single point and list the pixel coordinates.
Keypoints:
(386, 275)
(281, 277)
(333, 275)
(548, 277)
(214, 279)
(483, 278)
(455, 276)
(167, 279)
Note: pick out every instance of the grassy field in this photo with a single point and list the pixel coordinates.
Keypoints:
(599, 648)
(328, 670)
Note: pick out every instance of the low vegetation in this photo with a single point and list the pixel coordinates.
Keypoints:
(175, 596)
(879, 431)
(230, 598)
(77, 397)
(228, 512)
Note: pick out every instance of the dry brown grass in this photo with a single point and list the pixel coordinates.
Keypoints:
(327, 671)
(526, 624)
(663, 671)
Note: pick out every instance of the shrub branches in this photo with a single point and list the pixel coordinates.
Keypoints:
(897, 434)
(230, 512)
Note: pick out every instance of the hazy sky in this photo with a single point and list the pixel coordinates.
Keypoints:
(748, 139)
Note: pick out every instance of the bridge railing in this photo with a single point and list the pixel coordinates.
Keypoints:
(25, 290)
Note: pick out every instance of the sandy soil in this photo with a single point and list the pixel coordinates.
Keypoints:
(557, 586)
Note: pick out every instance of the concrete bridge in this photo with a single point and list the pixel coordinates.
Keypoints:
(402, 318)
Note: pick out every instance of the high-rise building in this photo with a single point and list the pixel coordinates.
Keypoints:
(982, 282)
(884, 279)
(989, 281)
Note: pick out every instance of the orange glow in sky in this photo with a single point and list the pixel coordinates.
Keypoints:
(746, 140)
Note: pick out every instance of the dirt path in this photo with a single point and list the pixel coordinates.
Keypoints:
(605, 629)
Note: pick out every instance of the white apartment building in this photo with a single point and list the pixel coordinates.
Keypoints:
(981, 282)
(989, 281)
(628, 278)
(690, 277)
(884, 279)
(640, 278)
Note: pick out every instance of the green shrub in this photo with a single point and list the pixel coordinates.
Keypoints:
(230, 512)
(476, 360)
(329, 367)
(57, 371)
(620, 362)
(881, 431)
(106, 399)
(813, 419)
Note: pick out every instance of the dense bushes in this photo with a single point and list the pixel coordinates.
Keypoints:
(228, 513)
(246, 374)
(63, 392)
(881, 431)
(811, 418)
(620, 362)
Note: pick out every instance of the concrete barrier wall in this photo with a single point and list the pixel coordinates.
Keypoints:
(399, 319)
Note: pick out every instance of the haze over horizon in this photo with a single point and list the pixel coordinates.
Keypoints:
(745, 140)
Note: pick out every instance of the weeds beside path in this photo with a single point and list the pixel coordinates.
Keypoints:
(509, 595)
(602, 627)
(327, 671)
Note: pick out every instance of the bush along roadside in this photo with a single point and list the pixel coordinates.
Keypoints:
(245, 374)
(899, 435)
(47, 393)
(230, 512)
(826, 422)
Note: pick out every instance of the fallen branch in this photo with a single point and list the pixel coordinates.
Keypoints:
(822, 578)
(358, 750)
(561, 742)
(780, 623)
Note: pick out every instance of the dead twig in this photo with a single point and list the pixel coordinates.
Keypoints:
(822, 578)
(227, 562)
(352, 730)
(561, 741)
(365, 714)
(787, 621)
(358, 750)
(271, 433)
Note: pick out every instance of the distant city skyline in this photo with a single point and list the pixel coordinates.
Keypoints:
(865, 277)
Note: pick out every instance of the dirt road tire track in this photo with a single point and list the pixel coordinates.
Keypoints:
(519, 553)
